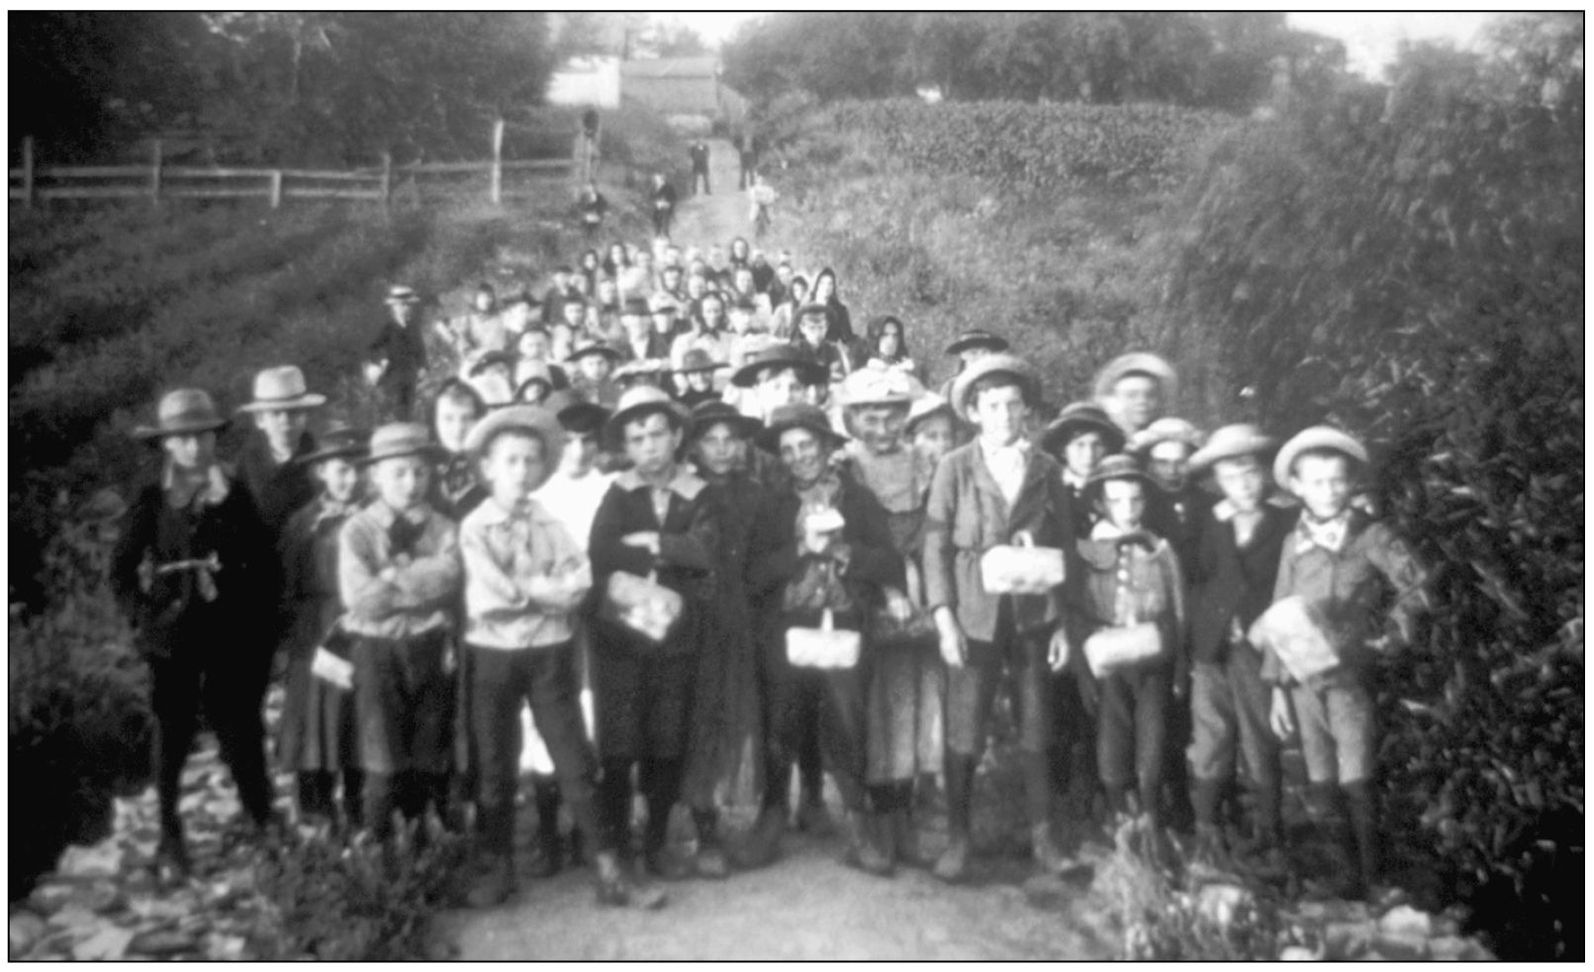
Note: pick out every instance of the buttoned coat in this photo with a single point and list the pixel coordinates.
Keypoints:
(1232, 584)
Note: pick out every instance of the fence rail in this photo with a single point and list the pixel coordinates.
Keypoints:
(31, 183)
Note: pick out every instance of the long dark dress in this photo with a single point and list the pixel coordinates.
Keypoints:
(318, 729)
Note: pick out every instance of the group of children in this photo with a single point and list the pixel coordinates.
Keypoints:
(748, 539)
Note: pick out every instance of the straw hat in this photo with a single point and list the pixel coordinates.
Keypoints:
(1077, 418)
(977, 338)
(183, 411)
(1316, 437)
(879, 386)
(400, 294)
(1138, 362)
(338, 442)
(999, 363)
(640, 401)
(596, 347)
(1167, 429)
(489, 358)
(397, 439)
(537, 420)
(801, 415)
(281, 389)
(781, 355)
(699, 360)
(924, 407)
(711, 413)
(1231, 442)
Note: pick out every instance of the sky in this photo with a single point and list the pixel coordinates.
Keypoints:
(1370, 37)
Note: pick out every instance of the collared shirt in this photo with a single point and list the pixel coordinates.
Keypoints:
(417, 598)
(1006, 464)
(1076, 483)
(524, 573)
(574, 502)
(1328, 534)
(185, 491)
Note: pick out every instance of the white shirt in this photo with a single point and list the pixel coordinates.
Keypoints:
(574, 502)
(1006, 464)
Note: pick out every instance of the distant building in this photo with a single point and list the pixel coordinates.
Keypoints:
(586, 81)
(686, 90)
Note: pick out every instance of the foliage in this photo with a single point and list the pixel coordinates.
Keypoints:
(1012, 145)
(1214, 60)
(1410, 265)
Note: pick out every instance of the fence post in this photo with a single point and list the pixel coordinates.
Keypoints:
(496, 186)
(27, 171)
(155, 175)
(387, 178)
(276, 188)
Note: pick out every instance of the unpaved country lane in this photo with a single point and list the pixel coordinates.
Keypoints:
(719, 218)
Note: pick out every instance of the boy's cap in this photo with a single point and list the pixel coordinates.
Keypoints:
(639, 402)
(1166, 429)
(576, 414)
(781, 354)
(879, 386)
(596, 347)
(281, 389)
(710, 413)
(801, 415)
(1077, 418)
(811, 309)
(977, 339)
(1316, 437)
(338, 442)
(637, 306)
(535, 419)
(697, 359)
(1231, 442)
(999, 363)
(183, 411)
(642, 366)
(490, 358)
(398, 439)
(1138, 362)
(400, 294)
(924, 407)
(1118, 466)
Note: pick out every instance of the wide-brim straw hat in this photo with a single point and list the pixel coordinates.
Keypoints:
(699, 360)
(281, 389)
(879, 386)
(536, 419)
(1231, 442)
(489, 358)
(708, 414)
(801, 415)
(1077, 418)
(183, 411)
(338, 442)
(977, 339)
(1118, 466)
(400, 294)
(596, 347)
(644, 400)
(1138, 362)
(1166, 429)
(781, 355)
(925, 406)
(397, 439)
(1316, 437)
(999, 363)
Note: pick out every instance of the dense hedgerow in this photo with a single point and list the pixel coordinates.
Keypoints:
(1012, 144)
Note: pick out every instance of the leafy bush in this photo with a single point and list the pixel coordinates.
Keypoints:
(1410, 264)
(1012, 144)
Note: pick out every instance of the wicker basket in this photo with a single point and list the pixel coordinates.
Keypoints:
(1021, 568)
(1293, 630)
(824, 646)
(641, 605)
(1114, 649)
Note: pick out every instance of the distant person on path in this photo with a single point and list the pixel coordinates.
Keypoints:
(589, 124)
(663, 206)
(699, 154)
(398, 355)
(762, 197)
(591, 208)
(747, 152)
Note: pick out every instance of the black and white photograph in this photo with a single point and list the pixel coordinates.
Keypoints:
(802, 486)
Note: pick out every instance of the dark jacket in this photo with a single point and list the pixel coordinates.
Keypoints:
(278, 488)
(173, 616)
(666, 194)
(308, 549)
(1228, 583)
(699, 154)
(689, 538)
(1177, 518)
(402, 347)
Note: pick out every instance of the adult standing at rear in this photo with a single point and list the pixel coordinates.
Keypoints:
(699, 154)
(663, 206)
(397, 356)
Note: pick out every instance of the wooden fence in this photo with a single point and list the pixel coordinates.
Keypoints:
(33, 183)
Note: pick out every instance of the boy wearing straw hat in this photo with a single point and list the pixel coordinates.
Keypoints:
(992, 492)
(1340, 563)
(399, 578)
(658, 519)
(1079, 438)
(397, 355)
(195, 572)
(280, 409)
(1232, 574)
(1136, 388)
(317, 739)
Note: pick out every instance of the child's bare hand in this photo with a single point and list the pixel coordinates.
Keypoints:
(1057, 650)
(1279, 717)
(647, 539)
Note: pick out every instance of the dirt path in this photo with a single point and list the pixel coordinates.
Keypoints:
(719, 218)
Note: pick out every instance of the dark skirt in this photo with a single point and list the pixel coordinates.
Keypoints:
(318, 730)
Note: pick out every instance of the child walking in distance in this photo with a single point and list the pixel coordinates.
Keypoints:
(525, 576)
(995, 491)
(271, 464)
(1339, 564)
(1232, 575)
(195, 573)
(658, 520)
(1131, 607)
(399, 577)
(397, 355)
(318, 740)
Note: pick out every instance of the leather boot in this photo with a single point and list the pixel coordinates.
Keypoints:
(710, 859)
(615, 890)
(953, 864)
(905, 840)
(863, 844)
(761, 846)
(1363, 826)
